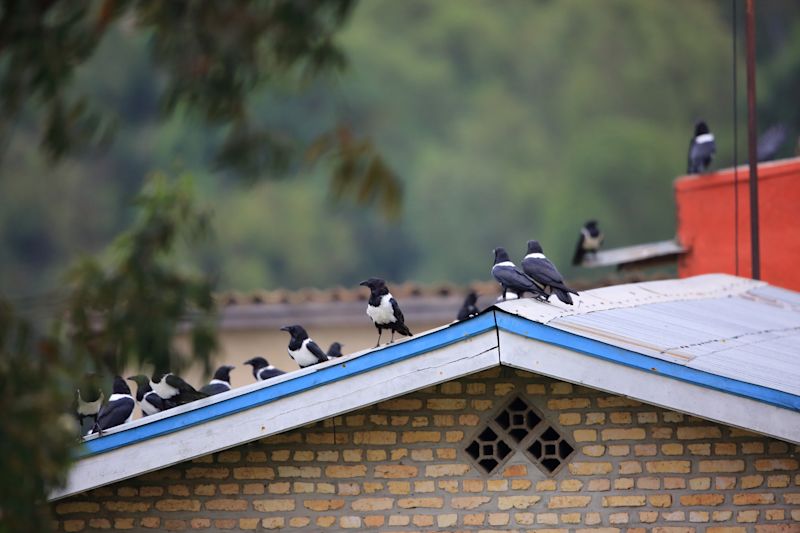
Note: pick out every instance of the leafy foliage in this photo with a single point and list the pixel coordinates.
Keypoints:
(208, 58)
(210, 54)
(125, 308)
(36, 435)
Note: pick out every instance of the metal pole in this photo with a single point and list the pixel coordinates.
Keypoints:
(750, 27)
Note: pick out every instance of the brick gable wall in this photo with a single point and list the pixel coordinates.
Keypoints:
(401, 465)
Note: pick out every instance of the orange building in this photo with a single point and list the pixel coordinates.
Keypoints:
(707, 222)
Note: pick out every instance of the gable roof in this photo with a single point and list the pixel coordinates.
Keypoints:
(716, 346)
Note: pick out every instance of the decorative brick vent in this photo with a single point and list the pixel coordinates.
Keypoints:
(518, 425)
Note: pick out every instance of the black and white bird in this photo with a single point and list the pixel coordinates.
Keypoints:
(302, 348)
(335, 350)
(545, 274)
(150, 402)
(118, 410)
(512, 278)
(173, 389)
(701, 148)
(468, 309)
(221, 382)
(262, 370)
(589, 241)
(84, 409)
(382, 308)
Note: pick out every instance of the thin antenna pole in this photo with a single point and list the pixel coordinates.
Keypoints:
(750, 27)
(735, 144)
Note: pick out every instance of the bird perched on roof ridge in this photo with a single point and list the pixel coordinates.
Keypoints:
(701, 148)
(150, 402)
(335, 350)
(221, 382)
(118, 410)
(512, 278)
(262, 369)
(383, 309)
(302, 348)
(545, 274)
(84, 409)
(468, 309)
(171, 388)
(589, 241)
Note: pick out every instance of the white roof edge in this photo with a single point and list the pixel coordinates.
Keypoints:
(468, 356)
(631, 295)
(649, 387)
(437, 356)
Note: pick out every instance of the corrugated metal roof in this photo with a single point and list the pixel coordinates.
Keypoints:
(728, 326)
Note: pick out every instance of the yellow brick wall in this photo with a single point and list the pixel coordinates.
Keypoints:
(401, 466)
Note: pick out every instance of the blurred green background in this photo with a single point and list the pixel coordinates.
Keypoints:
(504, 121)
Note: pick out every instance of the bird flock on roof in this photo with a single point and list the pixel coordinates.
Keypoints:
(536, 276)
(164, 390)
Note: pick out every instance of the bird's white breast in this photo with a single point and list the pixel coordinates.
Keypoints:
(89, 408)
(303, 356)
(162, 389)
(704, 138)
(383, 313)
(589, 242)
(535, 256)
(147, 407)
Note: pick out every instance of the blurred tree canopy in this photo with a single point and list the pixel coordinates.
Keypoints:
(36, 435)
(505, 124)
(121, 310)
(124, 309)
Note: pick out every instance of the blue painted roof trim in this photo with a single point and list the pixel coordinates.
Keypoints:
(387, 355)
(607, 352)
(394, 353)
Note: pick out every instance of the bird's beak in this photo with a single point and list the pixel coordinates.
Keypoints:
(131, 379)
(248, 362)
(364, 283)
(285, 328)
(230, 367)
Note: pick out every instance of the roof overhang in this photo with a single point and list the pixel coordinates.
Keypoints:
(503, 335)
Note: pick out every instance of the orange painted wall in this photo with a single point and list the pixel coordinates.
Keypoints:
(706, 225)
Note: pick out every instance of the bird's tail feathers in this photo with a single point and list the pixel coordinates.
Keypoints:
(403, 330)
(577, 259)
(563, 295)
(188, 396)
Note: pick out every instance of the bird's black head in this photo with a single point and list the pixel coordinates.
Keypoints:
(257, 363)
(500, 255)
(591, 224)
(223, 373)
(141, 380)
(376, 285)
(471, 298)
(120, 387)
(534, 247)
(700, 128)
(297, 332)
(336, 347)
(142, 385)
